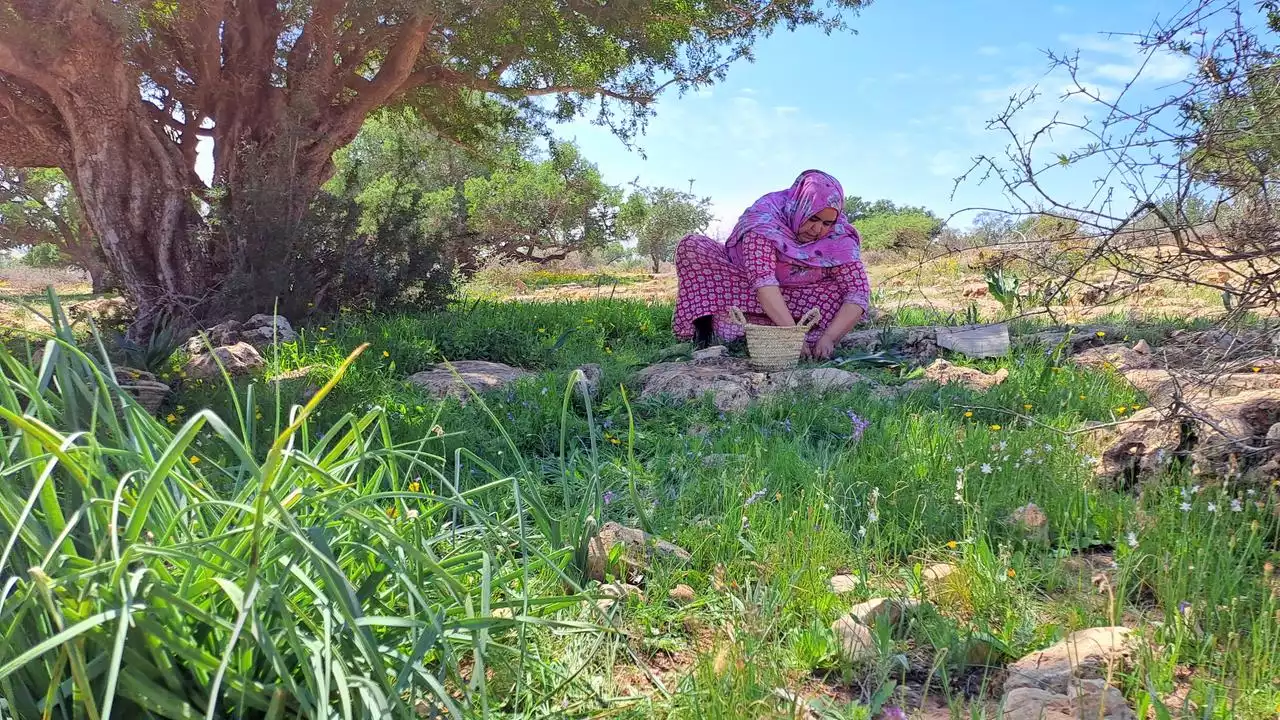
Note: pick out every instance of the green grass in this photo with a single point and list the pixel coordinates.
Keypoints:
(771, 502)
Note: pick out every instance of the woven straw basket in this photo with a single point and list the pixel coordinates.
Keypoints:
(775, 348)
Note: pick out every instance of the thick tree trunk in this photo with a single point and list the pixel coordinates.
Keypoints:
(144, 217)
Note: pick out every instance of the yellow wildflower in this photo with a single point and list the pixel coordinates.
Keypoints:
(1011, 573)
(323, 328)
(995, 428)
(1027, 406)
(968, 413)
(777, 496)
(386, 354)
(1082, 397)
(1122, 410)
(1100, 334)
(194, 459)
(415, 486)
(393, 512)
(171, 418)
(952, 544)
(1256, 369)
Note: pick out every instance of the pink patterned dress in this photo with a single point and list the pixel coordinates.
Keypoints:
(710, 283)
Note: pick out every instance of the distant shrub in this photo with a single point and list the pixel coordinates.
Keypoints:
(898, 231)
(44, 255)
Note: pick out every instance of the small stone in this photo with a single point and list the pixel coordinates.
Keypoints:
(943, 372)
(937, 573)
(1032, 521)
(619, 591)
(682, 594)
(1097, 699)
(1084, 654)
(588, 380)
(638, 550)
(876, 610)
(857, 644)
(1035, 704)
(1142, 347)
(844, 583)
(1273, 433)
(480, 375)
(712, 353)
(239, 359)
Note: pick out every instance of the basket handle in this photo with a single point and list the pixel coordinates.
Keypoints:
(811, 318)
(736, 316)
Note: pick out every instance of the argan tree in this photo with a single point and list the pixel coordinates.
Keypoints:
(38, 207)
(120, 93)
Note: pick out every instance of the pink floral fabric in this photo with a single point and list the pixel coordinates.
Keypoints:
(710, 283)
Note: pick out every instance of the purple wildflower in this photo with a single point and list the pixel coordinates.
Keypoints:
(787, 424)
(756, 496)
(857, 425)
(893, 713)
(1183, 607)
(608, 423)
(608, 497)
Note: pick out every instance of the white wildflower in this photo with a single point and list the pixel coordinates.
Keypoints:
(1132, 539)
(862, 531)
(1185, 507)
(1212, 507)
(986, 468)
(1236, 505)
(872, 517)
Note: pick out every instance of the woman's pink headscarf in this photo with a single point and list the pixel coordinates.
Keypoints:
(779, 215)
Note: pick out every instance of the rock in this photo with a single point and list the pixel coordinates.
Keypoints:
(479, 375)
(1142, 347)
(238, 359)
(1031, 521)
(936, 578)
(712, 353)
(103, 311)
(638, 550)
(149, 392)
(1115, 357)
(1162, 386)
(824, 379)
(260, 331)
(1223, 428)
(981, 651)
(1035, 704)
(589, 379)
(876, 610)
(681, 594)
(977, 341)
(857, 644)
(919, 343)
(1273, 434)
(976, 290)
(1084, 654)
(619, 590)
(945, 373)
(730, 382)
(844, 584)
(1097, 699)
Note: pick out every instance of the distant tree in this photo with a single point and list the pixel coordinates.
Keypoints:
(992, 227)
(38, 209)
(511, 200)
(884, 224)
(657, 218)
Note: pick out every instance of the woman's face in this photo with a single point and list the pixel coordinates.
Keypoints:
(818, 225)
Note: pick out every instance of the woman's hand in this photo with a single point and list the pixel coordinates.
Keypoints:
(824, 348)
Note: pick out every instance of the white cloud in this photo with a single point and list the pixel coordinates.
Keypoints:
(946, 163)
(989, 50)
(747, 91)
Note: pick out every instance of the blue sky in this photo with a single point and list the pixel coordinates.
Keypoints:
(895, 111)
